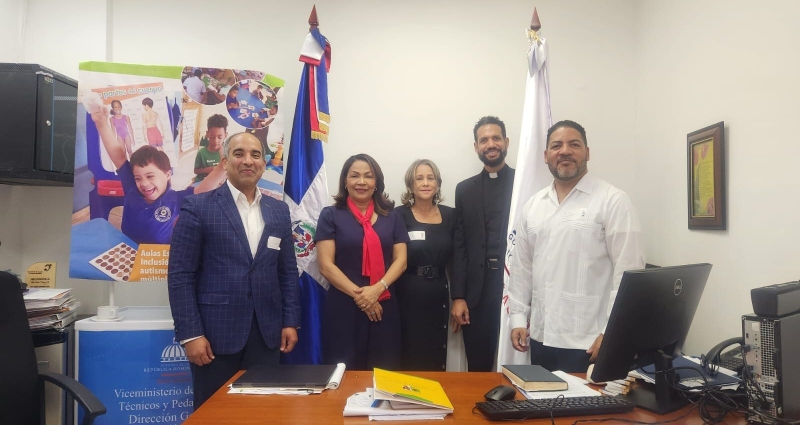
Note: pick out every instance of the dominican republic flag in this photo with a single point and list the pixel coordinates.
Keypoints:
(532, 175)
(306, 191)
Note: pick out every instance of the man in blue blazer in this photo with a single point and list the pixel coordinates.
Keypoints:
(233, 285)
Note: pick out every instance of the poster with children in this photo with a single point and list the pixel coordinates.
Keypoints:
(147, 137)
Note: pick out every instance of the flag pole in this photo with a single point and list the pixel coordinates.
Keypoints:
(306, 190)
(531, 175)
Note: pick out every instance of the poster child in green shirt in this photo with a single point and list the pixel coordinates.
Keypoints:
(208, 156)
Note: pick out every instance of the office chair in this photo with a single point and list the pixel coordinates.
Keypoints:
(21, 384)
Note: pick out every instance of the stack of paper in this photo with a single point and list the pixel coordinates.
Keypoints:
(365, 404)
(576, 388)
(690, 378)
(50, 308)
(397, 396)
(55, 320)
(620, 386)
(289, 379)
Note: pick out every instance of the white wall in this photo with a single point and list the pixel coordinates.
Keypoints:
(61, 34)
(408, 80)
(10, 232)
(700, 63)
(11, 24)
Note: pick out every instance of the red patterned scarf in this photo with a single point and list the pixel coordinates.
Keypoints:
(372, 261)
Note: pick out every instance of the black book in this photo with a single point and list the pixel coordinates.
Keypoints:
(286, 376)
(534, 378)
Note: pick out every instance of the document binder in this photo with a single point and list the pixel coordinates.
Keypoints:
(286, 377)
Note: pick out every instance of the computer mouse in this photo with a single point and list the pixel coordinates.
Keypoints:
(501, 392)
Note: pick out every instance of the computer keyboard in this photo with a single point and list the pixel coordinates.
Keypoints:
(571, 406)
(732, 360)
(733, 364)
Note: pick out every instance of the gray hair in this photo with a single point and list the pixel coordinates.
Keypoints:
(226, 145)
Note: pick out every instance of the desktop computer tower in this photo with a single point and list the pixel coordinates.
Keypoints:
(55, 352)
(772, 361)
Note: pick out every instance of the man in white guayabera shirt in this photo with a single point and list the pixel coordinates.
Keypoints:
(575, 239)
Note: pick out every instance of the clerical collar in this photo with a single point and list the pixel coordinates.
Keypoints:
(500, 173)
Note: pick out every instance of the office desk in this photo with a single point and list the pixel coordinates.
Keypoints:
(463, 389)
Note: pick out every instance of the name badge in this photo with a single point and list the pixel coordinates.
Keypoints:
(274, 243)
(418, 235)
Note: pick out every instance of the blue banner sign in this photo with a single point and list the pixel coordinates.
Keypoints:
(142, 377)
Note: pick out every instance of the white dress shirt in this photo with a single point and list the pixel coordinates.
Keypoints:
(252, 220)
(251, 216)
(568, 262)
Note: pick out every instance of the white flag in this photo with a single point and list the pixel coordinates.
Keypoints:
(531, 175)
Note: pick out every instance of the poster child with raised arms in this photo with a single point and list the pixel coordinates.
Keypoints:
(151, 205)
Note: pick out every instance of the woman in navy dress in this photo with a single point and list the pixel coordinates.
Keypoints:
(361, 247)
(422, 292)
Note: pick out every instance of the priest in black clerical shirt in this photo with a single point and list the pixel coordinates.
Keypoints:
(483, 203)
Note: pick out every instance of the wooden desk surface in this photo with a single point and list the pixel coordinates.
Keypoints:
(463, 388)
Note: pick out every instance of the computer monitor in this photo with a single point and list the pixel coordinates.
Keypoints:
(651, 316)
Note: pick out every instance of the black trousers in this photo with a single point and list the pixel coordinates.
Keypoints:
(480, 336)
(563, 359)
(207, 379)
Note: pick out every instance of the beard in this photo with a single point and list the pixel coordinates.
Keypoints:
(580, 170)
(493, 162)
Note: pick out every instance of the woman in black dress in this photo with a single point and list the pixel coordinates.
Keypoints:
(422, 292)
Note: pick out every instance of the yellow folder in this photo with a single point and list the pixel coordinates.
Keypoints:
(410, 389)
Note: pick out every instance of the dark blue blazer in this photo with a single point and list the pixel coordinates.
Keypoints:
(215, 284)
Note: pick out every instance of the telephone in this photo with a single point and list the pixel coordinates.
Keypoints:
(731, 359)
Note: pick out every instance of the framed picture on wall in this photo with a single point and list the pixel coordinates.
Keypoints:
(706, 177)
